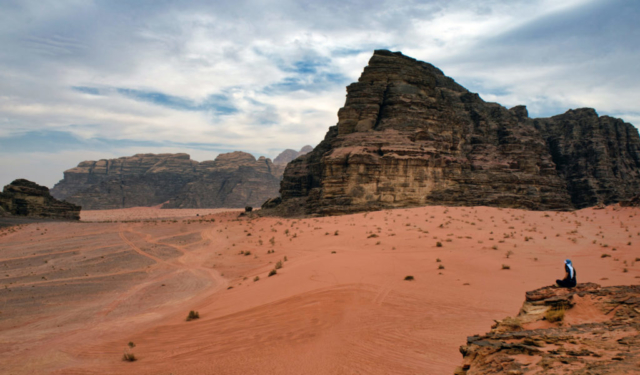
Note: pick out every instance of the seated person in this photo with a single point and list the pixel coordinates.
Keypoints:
(569, 280)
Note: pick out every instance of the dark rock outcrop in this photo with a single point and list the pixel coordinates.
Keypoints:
(604, 341)
(633, 202)
(26, 198)
(409, 136)
(234, 179)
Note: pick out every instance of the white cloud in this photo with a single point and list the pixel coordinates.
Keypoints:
(244, 55)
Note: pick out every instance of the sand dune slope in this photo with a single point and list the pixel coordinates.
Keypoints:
(72, 295)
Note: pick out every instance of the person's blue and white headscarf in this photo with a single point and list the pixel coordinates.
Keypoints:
(570, 266)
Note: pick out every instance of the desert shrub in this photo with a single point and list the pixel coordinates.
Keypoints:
(129, 357)
(509, 253)
(605, 256)
(285, 258)
(256, 278)
(438, 244)
(333, 252)
(279, 265)
(506, 267)
(441, 267)
(246, 253)
(554, 315)
(131, 344)
(438, 260)
(193, 315)
(272, 272)
(409, 278)
(372, 235)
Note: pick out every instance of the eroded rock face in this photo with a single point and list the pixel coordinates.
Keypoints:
(409, 136)
(604, 341)
(234, 179)
(26, 198)
(597, 156)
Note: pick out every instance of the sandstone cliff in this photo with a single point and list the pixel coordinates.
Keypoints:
(26, 198)
(408, 136)
(582, 330)
(235, 179)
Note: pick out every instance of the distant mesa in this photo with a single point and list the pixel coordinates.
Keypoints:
(234, 179)
(410, 136)
(28, 199)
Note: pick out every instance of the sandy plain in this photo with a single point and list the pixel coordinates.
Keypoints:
(73, 295)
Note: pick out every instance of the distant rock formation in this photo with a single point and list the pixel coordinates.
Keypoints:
(234, 179)
(584, 330)
(410, 136)
(26, 198)
(286, 156)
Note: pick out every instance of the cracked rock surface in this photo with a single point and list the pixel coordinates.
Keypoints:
(583, 330)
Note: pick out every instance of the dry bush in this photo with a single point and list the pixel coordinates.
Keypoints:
(409, 278)
(193, 315)
(554, 315)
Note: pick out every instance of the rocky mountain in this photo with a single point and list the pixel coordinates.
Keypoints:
(234, 179)
(26, 198)
(409, 136)
(584, 330)
(286, 156)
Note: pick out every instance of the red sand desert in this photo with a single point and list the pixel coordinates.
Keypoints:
(73, 295)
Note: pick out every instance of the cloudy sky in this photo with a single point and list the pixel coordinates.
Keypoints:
(86, 80)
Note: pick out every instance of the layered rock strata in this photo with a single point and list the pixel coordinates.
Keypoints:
(234, 179)
(584, 330)
(409, 136)
(26, 198)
